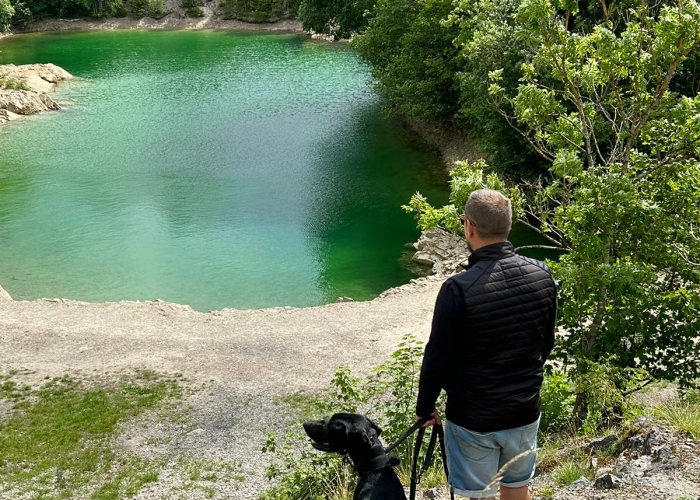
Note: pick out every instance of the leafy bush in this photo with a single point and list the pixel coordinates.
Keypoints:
(557, 403)
(387, 397)
(138, 8)
(606, 388)
(465, 178)
(192, 8)
(156, 8)
(6, 13)
(259, 10)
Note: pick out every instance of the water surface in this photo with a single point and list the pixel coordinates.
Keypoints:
(215, 169)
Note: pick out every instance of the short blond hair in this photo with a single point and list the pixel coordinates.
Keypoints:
(491, 213)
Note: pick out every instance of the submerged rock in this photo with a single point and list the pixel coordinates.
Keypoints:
(4, 296)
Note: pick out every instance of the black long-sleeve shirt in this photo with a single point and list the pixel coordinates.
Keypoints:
(493, 329)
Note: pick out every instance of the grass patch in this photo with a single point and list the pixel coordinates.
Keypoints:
(304, 405)
(572, 469)
(204, 474)
(545, 493)
(7, 83)
(684, 415)
(57, 438)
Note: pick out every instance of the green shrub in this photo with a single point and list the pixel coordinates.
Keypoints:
(138, 8)
(557, 403)
(156, 8)
(6, 13)
(192, 8)
(606, 388)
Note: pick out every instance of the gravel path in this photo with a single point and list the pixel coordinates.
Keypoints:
(240, 361)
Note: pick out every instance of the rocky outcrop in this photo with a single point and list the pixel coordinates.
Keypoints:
(24, 89)
(4, 296)
(442, 251)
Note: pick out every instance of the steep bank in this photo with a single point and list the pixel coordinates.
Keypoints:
(24, 89)
(171, 21)
(450, 142)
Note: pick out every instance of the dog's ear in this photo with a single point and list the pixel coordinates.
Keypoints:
(375, 427)
(358, 439)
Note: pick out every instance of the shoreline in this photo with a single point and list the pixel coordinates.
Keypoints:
(172, 21)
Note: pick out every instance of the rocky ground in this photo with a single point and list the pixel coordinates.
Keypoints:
(24, 90)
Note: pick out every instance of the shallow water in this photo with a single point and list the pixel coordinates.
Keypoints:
(215, 169)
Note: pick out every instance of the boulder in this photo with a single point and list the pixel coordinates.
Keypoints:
(26, 102)
(607, 482)
(602, 444)
(581, 482)
(4, 296)
(443, 251)
(40, 78)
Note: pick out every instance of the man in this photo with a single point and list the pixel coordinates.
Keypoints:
(493, 328)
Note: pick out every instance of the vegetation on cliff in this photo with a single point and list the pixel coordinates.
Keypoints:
(19, 13)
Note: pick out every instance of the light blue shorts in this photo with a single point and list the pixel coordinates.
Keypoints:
(475, 458)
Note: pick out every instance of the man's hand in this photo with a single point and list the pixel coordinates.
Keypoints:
(434, 419)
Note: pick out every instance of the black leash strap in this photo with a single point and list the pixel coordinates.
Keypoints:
(436, 436)
(405, 435)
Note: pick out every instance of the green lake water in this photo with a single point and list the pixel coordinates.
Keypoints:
(214, 169)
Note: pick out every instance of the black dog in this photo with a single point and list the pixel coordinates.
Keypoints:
(358, 436)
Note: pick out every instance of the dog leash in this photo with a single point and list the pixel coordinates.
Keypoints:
(437, 435)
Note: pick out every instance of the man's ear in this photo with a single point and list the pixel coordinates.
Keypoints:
(375, 427)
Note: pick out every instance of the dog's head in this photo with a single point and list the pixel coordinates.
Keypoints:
(343, 433)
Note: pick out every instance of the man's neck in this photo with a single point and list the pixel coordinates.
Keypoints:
(477, 243)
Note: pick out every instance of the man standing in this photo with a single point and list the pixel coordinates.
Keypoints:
(493, 328)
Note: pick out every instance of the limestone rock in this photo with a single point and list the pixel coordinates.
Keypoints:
(40, 78)
(441, 250)
(602, 444)
(4, 296)
(7, 116)
(581, 482)
(26, 102)
(607, 482)
(37, 80)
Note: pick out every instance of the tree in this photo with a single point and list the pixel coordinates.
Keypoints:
(6, 13)
(412, 56)
(338, 18)
(622, 200)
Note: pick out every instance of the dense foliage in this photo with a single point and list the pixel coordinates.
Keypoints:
(607, 99)
(339, 19)
(19, 13)
(259, 10)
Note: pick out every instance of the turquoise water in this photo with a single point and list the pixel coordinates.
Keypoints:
(215, 169)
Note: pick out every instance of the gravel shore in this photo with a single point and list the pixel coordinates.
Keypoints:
(242, 362)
